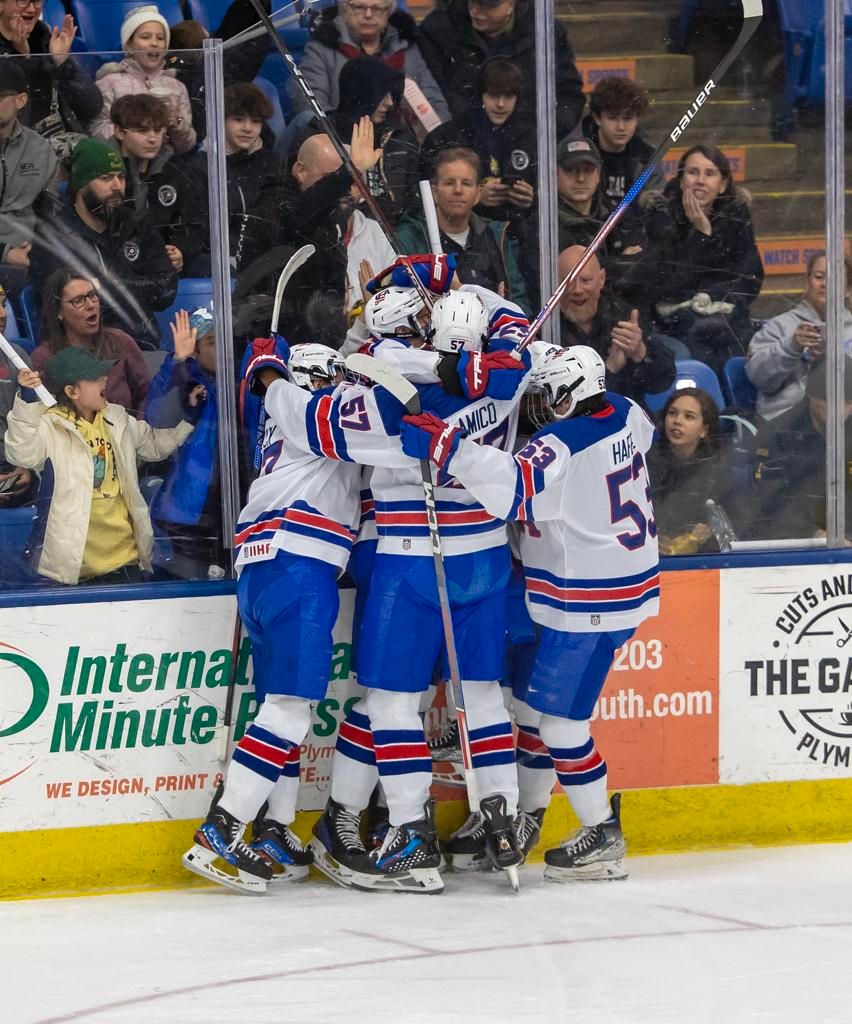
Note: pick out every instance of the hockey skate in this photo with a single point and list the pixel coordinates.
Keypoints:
(501, 843)
(378, 821)
(220, 837)
(465, 848)
(337, 843)
(593, 853)
(281, 849)
(407, 861)
(528, 829)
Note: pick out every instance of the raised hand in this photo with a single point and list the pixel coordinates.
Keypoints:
(364, 154)
(184, 336)
(628, 338)
(29, 379)
(61, 39)
(18, 34)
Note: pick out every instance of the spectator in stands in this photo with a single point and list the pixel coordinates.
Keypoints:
(616, 106)
(460, 35)
(185, 59)
(17, 485)
(790, 451)
(357, 28)
(314, 206)
(487, 257)
(71, 317)
(159, 188)
(145, 41)
(370, 88)
(187, 505)
(94, 523)
(708, 269)
(687, 468)
(63, 98)
(94, 230)
(637, 363)
(29, 169)
(502, 139)
(783, 349)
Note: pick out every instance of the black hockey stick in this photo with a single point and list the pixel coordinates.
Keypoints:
(407, 393)
(340, 149)
(752, 16)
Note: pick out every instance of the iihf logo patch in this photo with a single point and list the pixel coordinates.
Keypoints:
(406, 544)
(131, 251)
(167, 195)
(519, 159)
(596, 620)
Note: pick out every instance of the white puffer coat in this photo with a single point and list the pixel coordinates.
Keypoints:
(51, 446)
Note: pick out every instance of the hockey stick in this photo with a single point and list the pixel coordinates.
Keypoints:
(44, 395)
(431, 217)
(407, 393)
(752, 16)
(341, 150)
(296, 261)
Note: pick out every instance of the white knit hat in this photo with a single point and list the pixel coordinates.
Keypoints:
(139, 16)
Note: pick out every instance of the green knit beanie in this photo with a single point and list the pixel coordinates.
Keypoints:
(92, 158)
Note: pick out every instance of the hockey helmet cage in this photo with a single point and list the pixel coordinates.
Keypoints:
(313, 367)
(393, 312)
(574, 373)
(459, 322)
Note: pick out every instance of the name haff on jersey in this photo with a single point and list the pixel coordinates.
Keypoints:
(300, 503)
(580, 492)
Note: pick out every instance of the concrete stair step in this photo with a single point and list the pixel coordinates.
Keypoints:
(784, 212)
(653, 70)
(616, 31)
(665, 114)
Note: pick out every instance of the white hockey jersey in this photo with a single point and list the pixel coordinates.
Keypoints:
(580, 491)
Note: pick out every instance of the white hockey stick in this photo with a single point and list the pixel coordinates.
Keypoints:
(752, 16)
(430, 215)
(16, 361)
(297, 260)
(407, 393)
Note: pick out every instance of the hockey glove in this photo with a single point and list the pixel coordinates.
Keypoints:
(435, 273)
(266, 353)
(427, 437)
(495, 374)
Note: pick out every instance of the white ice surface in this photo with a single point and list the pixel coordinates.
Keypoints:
(751, 936)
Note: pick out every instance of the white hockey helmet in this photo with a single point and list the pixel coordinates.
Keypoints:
(574, 373)
(393, 312)
(313, 367)
(459, 322)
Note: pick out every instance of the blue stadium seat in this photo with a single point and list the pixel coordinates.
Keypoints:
(99, 21)
(690, 373)
(15, 528)
(192, 292)
(741, 391)
(27, 303)
(276, 123)
(53, 12)
(209, 12)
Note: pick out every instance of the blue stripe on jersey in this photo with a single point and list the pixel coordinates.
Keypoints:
(594, 606)
(604, 583)
(465, 530)
(321, 422)
(529, 481)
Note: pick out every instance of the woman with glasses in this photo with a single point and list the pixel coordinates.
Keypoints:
(359, 28)
(63, 97)
(71, 316)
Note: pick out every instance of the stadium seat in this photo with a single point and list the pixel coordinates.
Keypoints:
(276, 123)
(690, 373)
(192, 292)
(27, 304)
(15, 527)
(741, 391)
(99, 21)
(53, 12)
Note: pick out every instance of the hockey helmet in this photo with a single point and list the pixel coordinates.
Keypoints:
(313, 367)
(393, 312)
(459, 323)
(572, 374)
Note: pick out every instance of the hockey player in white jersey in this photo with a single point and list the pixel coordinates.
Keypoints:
(292, 542)
(589, 550)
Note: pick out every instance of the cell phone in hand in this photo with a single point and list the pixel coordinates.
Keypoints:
(510, 179)
(8, 483)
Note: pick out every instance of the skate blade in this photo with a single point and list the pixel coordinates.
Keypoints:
(426, 880)
(289, 872)
(604, 871)
(465, 862)
(324, 862)
(200, 861)
(514, 878)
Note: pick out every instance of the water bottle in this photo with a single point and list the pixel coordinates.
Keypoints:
(717, 520)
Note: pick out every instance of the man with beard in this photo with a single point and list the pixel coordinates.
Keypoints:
(94, 231)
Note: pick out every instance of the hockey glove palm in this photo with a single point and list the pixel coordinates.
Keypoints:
(495, 374)
(426, 436)
(266, 354)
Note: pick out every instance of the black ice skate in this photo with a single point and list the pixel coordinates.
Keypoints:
(447, 745)
(378, 821)
(528, 829)
(280, 848)
(466, 846)
(593, 853)
(501, 843)
(407, 861)
(220, 837)
(337, 843)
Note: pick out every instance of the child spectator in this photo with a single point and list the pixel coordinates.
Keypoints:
(71, 317)
(145, 41)
(93, 524)
(158, 187)
(616, 106)
(703, 253)
(503, 140)
(187, 505)
(783, 349)
(687, 469)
